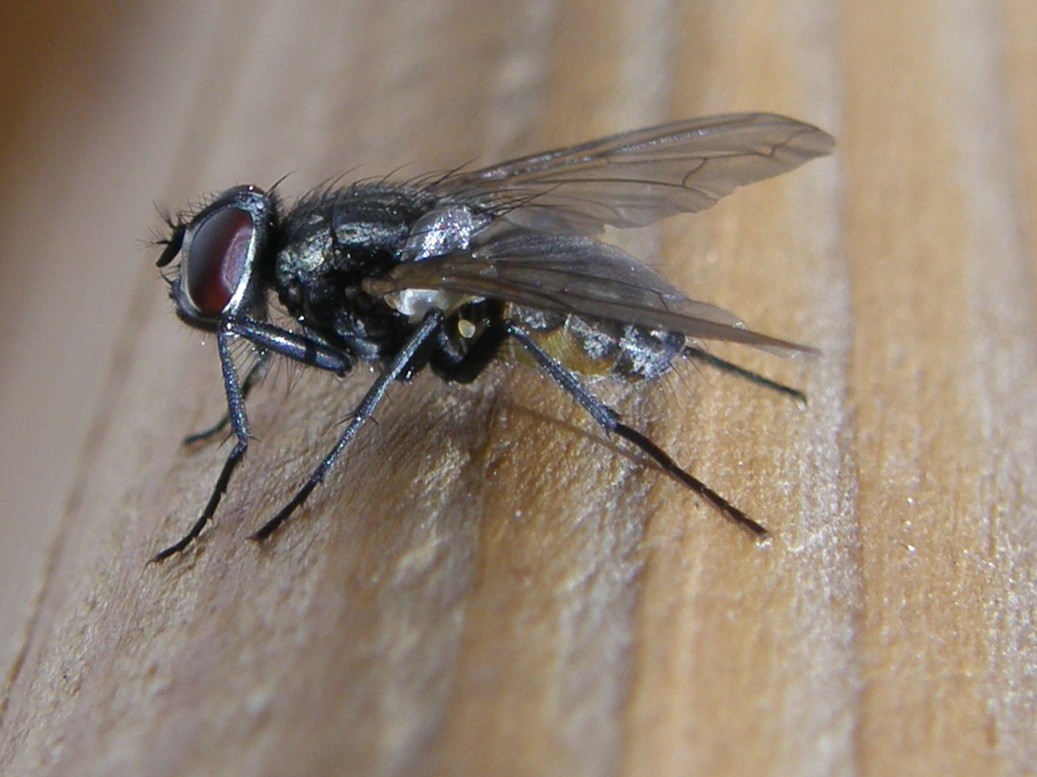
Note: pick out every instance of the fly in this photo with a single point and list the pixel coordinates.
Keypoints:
(451, 271)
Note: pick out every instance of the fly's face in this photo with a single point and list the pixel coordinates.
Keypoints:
(222, 249)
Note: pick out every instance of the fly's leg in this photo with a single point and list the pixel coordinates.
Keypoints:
(300, 348)
(253, 377)
(692, 352)
(400, 366)
(607, 418)
(315, 352)
(239, 422)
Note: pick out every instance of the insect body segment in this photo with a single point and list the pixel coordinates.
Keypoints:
(444, 272)
(596, 347)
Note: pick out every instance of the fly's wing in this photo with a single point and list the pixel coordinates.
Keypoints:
(577, 276)
(635, 178)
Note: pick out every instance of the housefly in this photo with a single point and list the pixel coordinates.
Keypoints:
(450, 271)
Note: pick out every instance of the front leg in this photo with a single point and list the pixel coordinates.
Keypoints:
(297, 347)
(239, 422)
(308, 349)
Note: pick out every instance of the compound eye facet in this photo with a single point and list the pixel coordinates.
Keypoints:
(218, 259)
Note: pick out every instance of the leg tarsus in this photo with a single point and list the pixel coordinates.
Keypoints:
(662, 458)
(210, 508)
(285, 512)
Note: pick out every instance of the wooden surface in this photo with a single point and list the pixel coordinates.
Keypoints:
(487, 585)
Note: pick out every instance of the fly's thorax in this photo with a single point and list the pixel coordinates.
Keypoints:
(319, 282)
(330, 244)
(304, 267)
(597, 347)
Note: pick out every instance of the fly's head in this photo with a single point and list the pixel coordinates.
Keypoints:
(226, 257)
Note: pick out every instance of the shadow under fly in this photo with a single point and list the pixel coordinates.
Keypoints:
(450, 271)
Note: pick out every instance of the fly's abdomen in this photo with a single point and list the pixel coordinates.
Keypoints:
(598, 347)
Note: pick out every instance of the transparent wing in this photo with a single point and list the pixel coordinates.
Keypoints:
(635, 178)
(577, 276)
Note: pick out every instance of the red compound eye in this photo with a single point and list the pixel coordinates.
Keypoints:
(218, 259)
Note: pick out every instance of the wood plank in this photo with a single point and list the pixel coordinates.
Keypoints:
(487, 584)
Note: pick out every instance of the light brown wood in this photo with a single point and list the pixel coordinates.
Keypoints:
(487, 585)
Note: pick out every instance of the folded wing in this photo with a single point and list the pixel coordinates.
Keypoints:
(579, 276)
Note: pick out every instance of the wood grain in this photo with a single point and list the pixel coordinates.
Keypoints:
(488, 585)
